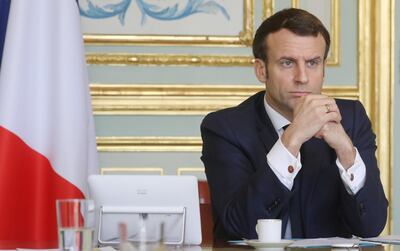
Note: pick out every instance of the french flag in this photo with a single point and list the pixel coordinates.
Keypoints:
(47, 136)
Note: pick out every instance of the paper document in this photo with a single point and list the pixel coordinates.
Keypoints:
(330, 242)
(389, 239)
(322, 242)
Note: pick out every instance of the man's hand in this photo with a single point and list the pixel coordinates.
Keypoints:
(311, 113)
(336, 137)
(318, 116)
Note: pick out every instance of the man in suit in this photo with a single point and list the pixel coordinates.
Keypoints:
(290, 152)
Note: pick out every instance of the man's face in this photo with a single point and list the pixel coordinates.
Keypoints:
(295, 68)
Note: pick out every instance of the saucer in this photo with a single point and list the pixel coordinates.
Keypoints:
(258, 244)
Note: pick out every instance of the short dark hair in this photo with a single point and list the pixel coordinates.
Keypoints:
(298, 21)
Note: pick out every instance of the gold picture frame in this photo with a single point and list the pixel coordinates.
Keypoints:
(243, 38)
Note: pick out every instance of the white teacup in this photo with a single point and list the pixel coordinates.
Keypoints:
(269, 230)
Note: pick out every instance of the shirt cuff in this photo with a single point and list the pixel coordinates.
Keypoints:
(354, 177)
(283, 164)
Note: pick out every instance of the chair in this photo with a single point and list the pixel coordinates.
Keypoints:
(205, 213)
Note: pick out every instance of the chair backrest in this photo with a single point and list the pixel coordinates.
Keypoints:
(205, 213)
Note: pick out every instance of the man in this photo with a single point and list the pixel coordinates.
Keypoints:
(290, 152)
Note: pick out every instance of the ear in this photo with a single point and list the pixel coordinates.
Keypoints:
(260, 70)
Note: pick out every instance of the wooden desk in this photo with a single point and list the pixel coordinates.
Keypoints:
(227, 247)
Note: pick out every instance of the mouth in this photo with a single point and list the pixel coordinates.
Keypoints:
(299, 94)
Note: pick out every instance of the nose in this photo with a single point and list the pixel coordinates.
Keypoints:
(301, 75)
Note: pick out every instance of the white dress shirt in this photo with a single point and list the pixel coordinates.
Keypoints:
(279, 159)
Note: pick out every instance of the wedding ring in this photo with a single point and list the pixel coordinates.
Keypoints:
(328, 108)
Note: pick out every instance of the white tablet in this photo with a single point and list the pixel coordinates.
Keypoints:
(146, 204)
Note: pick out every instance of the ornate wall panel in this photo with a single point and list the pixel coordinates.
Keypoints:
(160, 96)
(94, 35)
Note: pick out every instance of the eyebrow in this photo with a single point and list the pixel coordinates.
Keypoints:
(315, 58)
(294, 59)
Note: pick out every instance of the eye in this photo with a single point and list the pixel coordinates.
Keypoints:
(286, 63)
(313, 63)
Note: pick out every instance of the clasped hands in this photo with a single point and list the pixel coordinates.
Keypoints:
(317, 115)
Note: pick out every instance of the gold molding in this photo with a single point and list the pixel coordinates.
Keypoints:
(181, 99)
(133, 170)
(381, 94)
(295, 3)
(149, 144)
(123, 59)
(268, 8)
(365, 81)
(181, 170)
(244, 38)
(376, 81)
(334, 57)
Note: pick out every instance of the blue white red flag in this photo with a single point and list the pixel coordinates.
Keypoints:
(47, 136)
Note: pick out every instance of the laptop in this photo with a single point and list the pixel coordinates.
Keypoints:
(153, 208)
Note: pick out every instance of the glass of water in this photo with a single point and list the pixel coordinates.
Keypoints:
(147, 236)
(75, 220)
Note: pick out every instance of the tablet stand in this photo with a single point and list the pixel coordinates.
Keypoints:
(142, 212)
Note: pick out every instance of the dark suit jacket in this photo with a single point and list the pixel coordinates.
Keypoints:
(244, 188)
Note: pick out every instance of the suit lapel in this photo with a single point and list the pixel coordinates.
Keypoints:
(268, 138)
(266, 130)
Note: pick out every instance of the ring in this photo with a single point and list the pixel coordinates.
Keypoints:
(328, 108)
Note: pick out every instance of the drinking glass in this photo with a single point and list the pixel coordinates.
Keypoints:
(145, 237)
(75, 220)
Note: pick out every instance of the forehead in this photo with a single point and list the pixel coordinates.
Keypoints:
(285, 43)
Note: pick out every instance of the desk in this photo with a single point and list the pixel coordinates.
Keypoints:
(227, 247)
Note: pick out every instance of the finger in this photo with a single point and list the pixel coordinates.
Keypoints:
(315, 96)
(323, 109)
(324, 129)
(333, 117)
(318, 135)
(329, 105)
(310, 100)
(323, 101)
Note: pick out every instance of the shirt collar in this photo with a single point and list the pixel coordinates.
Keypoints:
(278, 121)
